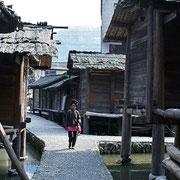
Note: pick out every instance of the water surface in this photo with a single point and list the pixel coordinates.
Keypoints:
(30, 164)
(138, 169)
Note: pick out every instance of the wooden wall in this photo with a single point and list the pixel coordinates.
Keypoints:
(105, 91)
(13, 84)
(8, 85)
(100, 92)
(172, 64)
(138, 60)
(83, 89)
(118, 89)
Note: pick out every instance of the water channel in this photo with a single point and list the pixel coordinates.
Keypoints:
(31, 163)
(138, 169)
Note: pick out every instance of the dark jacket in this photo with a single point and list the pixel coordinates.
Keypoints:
(73, 118)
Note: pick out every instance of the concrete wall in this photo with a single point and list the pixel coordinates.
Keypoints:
(107, 11)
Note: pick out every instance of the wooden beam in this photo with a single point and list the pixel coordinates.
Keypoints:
(114, 39)
(168, 116)
(170, 17)
(174, 153)
(119, 24)
(172, 167)
(12, 154)
(162, 6)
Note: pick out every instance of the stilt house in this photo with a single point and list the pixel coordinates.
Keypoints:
(18, 52)
(101, 86)
(150, 29)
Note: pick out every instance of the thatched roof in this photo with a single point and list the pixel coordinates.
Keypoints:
(47, 81)
(95, 60)
(127, 12)
(8, 18)
(36, 42)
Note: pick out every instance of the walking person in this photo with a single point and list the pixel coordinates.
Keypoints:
(73, 121)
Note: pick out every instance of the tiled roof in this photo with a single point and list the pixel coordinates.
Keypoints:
(95, 60)
(60, 83)
(126, 13)
(35, 42)
(47, 81)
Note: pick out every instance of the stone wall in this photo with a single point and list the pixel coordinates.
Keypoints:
(36, 142)
(107, 147)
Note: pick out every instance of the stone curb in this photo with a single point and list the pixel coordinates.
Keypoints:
(108, 147)
(36, 142)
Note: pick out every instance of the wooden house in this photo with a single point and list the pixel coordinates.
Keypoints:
(150, 29)
(18, 52)
(45, 97)
(101, 83)
(52, 95)
(62, 92)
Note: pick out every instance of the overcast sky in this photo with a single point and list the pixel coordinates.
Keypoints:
(58, 12)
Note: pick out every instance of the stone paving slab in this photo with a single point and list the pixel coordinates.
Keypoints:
(60, 163)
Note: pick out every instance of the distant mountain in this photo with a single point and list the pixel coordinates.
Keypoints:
(77, 38)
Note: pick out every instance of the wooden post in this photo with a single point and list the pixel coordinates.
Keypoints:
(19, 106)
(112, 91)
(12, 154)
(158, 94)
(23, 142)
(150, 64)
(119, 126)
(177, 137)
(40, 103)
(87, 89)
(126, 123)
(85, 125)
(109, 126)
(24, 74)
(87, 96)
(33, 101)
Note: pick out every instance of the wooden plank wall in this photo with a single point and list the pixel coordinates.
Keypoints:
(172, 64)
(8, 79)
(138, 61)
(105, 91)
(118, 89)
(100, 92)
(83, 88)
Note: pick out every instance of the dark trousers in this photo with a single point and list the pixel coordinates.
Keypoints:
(72, 138)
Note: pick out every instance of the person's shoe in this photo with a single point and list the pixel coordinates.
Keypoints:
(73, 147)
(69, 147)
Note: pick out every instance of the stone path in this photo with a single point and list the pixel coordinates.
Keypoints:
(60, 163)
